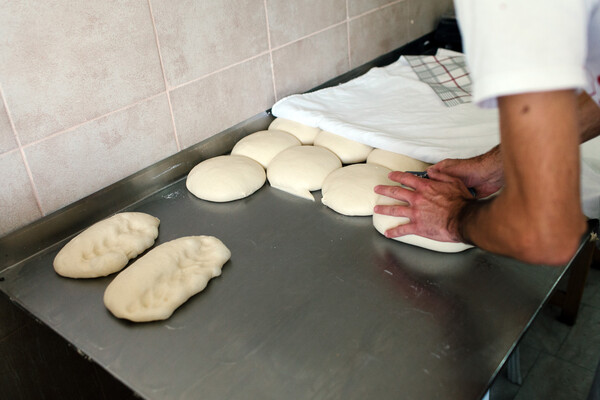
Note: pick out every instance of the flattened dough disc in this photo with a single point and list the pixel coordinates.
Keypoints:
(349, 151)
(306, 134)
(225, 178)
(349, 190)
(302, 169)
(262, 146)
(395, 161)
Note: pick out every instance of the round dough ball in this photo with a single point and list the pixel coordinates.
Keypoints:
(349, 151)
(349, 190)
(302, 169)
(225, 178)
(262, 146)
(306, 134)
(395, 161)
(384, 222)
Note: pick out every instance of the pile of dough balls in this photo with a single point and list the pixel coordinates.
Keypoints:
(300, 159)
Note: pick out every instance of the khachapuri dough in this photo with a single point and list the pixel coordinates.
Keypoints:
(349, 151)
(107, 246)
(262, 146)
(225, 178)
(384, 222)
(166, 277)
(395, 161)
(350, 190)
(306, 134)
(302, 169)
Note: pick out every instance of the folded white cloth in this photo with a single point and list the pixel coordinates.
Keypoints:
(392, 109)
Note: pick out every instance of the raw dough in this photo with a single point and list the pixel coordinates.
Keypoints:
(163, 279)
(302, 169)
(384, 222)
(262, 146)
(225, 178)
(107, 246)
(395, 161)
(306, 134)
(349, 190)
(347, 150)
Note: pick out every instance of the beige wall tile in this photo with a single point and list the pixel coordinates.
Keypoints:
(17, 201)
(425, 14)
(7, 136)
(356, 7)
(65, 62)
(200, 37)
(309, 62)
(74, 164)
(291, 20)
(217, 102)
(378, 32)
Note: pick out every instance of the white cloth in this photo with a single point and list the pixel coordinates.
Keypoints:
(391, 109)
(516, 46)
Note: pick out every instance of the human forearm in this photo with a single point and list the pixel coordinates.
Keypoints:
(537, 217)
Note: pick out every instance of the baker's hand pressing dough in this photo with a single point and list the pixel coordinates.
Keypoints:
(225, 178)
(384, 222)
(302, 169)
(349, 151)
(262, 146)
(107, 246)
(165, 278)
(306, 134)
(395, 161)
(349, 190)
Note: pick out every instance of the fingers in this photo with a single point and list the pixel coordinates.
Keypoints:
(401, 230)
(406, 179)
(394, 211)
(395, 192)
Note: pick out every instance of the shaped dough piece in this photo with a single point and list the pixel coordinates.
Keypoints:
(384, 222)
(349, 190)
(225, 178)
(302, 169)
(165, 278)
(347, 150)
(262, 146)
(306, 134)
(395, 161)
(107, 246)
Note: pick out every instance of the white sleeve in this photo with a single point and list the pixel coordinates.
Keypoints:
(520, 46)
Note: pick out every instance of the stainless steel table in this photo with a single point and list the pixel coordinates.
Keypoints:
(312, 305)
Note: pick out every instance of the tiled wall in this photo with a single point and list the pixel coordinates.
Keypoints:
(93, 91)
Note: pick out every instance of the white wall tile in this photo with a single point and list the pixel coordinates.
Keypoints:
(65, 62)
(200, 37)
(219, 101)
(74, 164)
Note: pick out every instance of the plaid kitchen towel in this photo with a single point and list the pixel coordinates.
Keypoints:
(448, 76)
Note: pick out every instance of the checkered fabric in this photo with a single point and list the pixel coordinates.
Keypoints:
(448, 76)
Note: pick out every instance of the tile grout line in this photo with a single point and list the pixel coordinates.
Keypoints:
(348, 35)
(164, 74)
(270, 50)
(21, 149)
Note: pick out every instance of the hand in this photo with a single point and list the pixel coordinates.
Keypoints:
(483, 173)
(433, 204)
